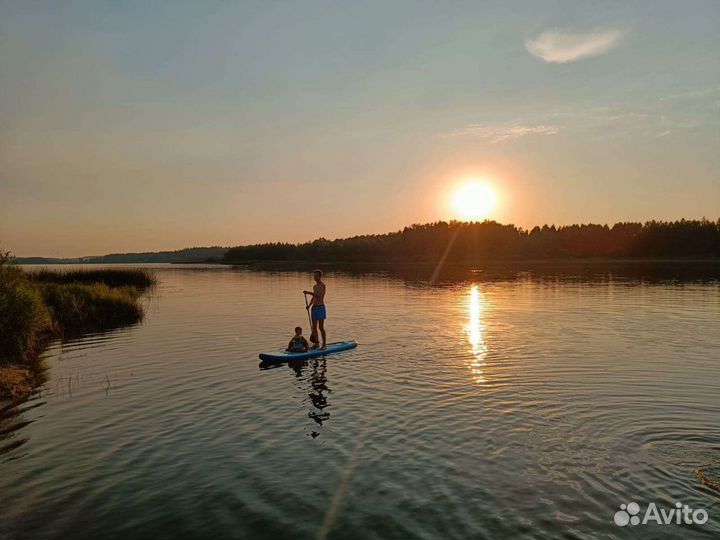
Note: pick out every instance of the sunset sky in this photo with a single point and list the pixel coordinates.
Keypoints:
(140, 126)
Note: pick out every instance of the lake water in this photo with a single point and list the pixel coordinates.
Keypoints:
(489, 405)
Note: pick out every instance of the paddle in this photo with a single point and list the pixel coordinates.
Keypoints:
(313, 337)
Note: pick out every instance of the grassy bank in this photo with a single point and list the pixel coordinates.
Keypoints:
(112, 277)
(37, 306)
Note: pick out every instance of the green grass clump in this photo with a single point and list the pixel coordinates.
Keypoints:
(24, 319)
(39, 305)
(112, 277)
(78, 307)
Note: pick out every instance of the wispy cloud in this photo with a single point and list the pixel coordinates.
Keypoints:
(709, 91)
(608, 122)
(558, 46)
(601, 115)
(502, 132)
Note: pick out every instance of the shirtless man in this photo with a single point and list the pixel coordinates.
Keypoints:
(317, 306)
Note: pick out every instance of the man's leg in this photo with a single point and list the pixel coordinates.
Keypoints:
(314, 334)
(322, 331)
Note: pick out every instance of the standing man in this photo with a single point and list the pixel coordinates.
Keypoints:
(317, 307)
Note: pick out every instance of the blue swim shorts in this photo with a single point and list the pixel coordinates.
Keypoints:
(319, 313)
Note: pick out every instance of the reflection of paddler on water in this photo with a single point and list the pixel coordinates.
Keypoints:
(316, 392)
(312, 381)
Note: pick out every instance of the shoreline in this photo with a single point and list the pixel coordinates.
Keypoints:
(46, 305)
(494, 262)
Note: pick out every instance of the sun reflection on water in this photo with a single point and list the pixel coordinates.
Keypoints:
(476, 334)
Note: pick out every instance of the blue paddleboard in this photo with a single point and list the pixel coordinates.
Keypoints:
(284, 356)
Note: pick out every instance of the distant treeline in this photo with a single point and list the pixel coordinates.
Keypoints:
(188, 255)
(489, 240)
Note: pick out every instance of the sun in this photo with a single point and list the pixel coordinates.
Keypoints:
(474, 200)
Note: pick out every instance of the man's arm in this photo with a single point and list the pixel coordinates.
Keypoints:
(312, 300)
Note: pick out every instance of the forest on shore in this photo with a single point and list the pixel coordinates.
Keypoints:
(477, 242)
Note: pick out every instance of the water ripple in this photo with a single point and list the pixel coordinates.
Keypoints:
(485, 409)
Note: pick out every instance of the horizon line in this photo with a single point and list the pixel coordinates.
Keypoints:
(418, 224)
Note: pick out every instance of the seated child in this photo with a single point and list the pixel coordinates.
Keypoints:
(298, 343)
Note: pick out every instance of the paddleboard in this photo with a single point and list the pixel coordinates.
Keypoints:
(284, 356)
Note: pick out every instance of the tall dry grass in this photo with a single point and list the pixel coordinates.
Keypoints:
(81, 306)
(112, 277)
(24, 318)
(36, 306)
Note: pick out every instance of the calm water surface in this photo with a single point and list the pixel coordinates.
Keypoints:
(481, 407)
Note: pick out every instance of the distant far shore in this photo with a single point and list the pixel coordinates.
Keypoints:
(458, 243)
(310, 263)
(567, 260)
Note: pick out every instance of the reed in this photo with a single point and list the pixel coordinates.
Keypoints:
(89, 307)
(112, 277)
(24, 318)
(37, 306)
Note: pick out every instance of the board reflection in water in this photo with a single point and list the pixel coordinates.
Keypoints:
(311, 379)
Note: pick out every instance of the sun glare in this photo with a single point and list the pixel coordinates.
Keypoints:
(474, 200)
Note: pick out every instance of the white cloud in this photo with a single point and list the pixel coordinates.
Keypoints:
(560, 47)
(502, 132)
